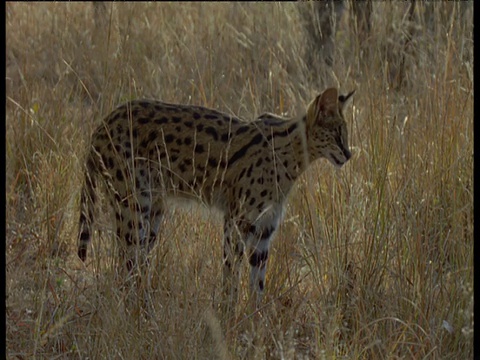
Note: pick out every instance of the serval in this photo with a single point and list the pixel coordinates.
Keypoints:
(149, 153)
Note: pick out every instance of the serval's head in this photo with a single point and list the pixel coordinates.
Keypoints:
(326, 129)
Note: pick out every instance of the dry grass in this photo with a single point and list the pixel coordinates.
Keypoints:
(372, 262)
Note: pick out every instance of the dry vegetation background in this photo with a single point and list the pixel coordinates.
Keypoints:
(373, 261)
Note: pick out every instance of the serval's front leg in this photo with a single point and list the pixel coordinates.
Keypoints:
(258, 245)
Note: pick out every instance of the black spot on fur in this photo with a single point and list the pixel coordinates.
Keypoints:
(242, 173)
(258, 259)
(285, 133)
(119, 175)
(143, 104)
(110, 164)
(161, 121)
(242, 151)
(82, 253)
(199, 149)
(134, 113)
(266, 233)
(212, 132)
(261, 285)
(128, 239)
(225, 137)
(169, 138)
(241, 130)
(249, 171)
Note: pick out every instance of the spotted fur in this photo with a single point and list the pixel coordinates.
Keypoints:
(149, 152)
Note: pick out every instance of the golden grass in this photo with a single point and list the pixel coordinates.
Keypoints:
(372, 261)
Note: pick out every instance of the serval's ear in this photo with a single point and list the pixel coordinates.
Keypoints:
(324, 104)
(344, 100)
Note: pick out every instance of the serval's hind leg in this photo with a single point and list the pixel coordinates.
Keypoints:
(233, 249)
(258, 247)
(138, 224)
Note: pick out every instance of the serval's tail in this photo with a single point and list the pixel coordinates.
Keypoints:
(88, 198)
